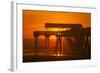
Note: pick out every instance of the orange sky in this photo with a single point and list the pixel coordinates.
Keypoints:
(34, 20)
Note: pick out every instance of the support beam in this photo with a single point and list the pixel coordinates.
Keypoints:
(47, 41)
(58, 45)
(36, 44)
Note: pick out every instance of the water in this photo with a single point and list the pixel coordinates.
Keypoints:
(30, 54)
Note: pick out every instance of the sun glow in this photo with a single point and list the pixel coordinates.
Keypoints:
(57, 29)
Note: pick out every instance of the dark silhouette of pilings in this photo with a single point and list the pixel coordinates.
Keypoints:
(47, 41)
(58, 44)
(36, 44)
(75, 40)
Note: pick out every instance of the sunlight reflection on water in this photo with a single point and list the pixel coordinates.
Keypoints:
(45, 53)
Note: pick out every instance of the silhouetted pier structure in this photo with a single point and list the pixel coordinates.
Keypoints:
(74, 36)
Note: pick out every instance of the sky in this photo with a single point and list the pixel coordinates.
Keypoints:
(34, 20)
